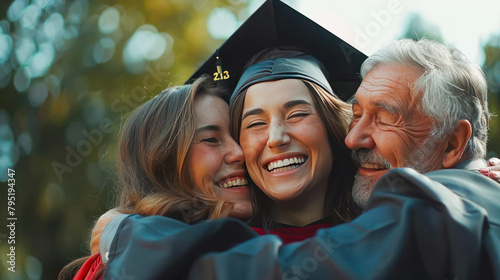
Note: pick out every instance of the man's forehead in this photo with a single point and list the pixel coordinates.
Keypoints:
(386, 84)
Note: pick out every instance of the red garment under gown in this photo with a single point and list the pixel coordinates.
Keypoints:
(90, 269)
(291, 234)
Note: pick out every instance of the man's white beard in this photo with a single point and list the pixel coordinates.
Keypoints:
(418, 159)
(362, 189)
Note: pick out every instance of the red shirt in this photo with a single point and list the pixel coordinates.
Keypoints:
(291, 234)
(90, 270)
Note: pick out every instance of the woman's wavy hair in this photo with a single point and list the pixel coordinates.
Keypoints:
(336, 116)
(152, 166)
(152, 170)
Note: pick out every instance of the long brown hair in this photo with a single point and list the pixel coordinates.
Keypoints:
(336, 115)
(151, 164)
(152, 158)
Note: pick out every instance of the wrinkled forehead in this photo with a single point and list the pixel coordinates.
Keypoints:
(392, 83)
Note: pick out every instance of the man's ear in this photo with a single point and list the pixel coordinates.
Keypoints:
(456, 144)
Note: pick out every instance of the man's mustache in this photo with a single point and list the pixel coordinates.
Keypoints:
(361, 156)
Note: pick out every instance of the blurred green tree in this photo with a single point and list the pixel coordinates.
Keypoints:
(492, 68)
(418, 28)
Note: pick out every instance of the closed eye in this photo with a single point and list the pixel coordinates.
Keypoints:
(255, 124)
(296, 115)
(210, 140)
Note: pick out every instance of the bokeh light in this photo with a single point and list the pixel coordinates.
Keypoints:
(30, 17)
(5, 47)
(9, 151)
(22, 80)
(37, 93)
(6, 145)
(25, 142)
(42, 60)
(145, 44)
(15, 9)
(33, 268)
(104, 50)
(221, 23)
(53, 27)
(25, 49)
(109, 20)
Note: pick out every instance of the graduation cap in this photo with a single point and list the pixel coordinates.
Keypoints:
(275, 24)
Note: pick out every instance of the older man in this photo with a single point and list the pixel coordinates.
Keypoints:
(421, 105)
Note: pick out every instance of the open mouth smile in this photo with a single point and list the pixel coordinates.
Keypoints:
(233, 183)
(368, 165)
(286, 164)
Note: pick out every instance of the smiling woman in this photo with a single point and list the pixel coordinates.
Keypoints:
(291, 128)
(285, 141)
(214, 160)
(177, 159)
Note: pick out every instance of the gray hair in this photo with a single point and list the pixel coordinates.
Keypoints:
(452, 87)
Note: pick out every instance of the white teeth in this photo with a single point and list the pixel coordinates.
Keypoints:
(281, 164)
(372, 166)
(234, 183)
(286, 168)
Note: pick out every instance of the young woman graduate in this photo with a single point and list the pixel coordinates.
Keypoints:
(291, 128)
(177, 159)
(312, 195)
(300, 168)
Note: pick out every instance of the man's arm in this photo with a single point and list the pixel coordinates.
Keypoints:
(413, 228)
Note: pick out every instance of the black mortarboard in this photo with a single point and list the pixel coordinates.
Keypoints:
(275, 24)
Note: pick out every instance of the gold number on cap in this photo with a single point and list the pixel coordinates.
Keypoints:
(221, 75)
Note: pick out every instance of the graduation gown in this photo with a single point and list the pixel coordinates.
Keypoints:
(156, 247)
(442, 225)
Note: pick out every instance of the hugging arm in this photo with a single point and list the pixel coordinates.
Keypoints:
(414, 228)
(493, 169)
(156, 247)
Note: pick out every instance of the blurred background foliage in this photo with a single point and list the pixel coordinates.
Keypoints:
(70, 71)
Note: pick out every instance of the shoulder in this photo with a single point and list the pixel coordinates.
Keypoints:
(99, 226)
(448, 187)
